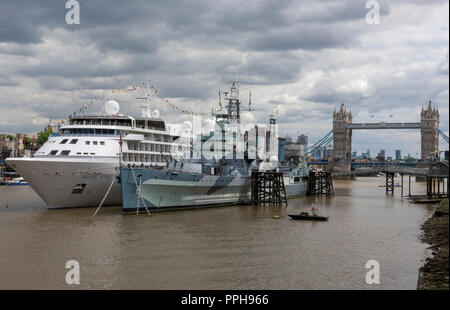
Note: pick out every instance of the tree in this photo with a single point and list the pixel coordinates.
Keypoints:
(43, 136)
(27, 142)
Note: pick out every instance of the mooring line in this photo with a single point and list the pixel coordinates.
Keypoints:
(106, 195)
(138, 193)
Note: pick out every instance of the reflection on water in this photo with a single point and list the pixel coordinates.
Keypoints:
(219, 248)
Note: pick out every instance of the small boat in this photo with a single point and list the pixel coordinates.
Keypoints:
(16, 181)
(306, 216)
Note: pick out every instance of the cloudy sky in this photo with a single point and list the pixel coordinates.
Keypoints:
(303, 56)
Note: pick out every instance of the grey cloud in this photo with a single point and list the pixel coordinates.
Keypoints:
(6, 81)
(23, 21)
(17, 49)
(303, 36)
(137, 25)
(337, 11)
(443, 66)
(269, 68)
(191, 48)
(87, 66)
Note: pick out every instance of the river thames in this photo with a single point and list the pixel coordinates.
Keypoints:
(238, 247)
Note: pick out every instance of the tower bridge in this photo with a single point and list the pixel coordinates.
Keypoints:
(343, 127)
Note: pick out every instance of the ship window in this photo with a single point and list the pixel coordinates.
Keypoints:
(92, 153)
(94, 142)
(88, 142)
(64, 141)
(85, 153)
(78, 188)
(54, 152)
(73, 141)
(102, 142)
(65, 153)
(78, 153)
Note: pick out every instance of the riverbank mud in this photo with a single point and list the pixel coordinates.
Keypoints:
(434, 275)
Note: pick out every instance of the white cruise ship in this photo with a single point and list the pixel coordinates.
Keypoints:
(76, 166)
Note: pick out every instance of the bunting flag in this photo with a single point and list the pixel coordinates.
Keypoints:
(129, 88)
(145, 86)
(84, 107)
(148, 86)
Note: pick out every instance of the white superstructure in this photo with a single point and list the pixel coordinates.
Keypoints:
(75, 167)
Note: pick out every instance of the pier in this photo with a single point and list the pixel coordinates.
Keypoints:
(320, 183)
(267, 188)
(436, 176)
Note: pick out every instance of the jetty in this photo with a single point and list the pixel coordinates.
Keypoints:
(267, 189)
(320, 183)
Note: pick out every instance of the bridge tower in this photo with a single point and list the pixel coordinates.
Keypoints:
(342, 136)
(429, 120)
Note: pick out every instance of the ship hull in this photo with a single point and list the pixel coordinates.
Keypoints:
(296, 189)
(70, 183)
(163, 190)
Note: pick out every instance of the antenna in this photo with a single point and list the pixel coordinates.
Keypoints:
(233, 102)
(145, 106)
(104, 103)
(273, 105)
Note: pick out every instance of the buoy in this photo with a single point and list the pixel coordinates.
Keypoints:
(6, 205)
(276, 217)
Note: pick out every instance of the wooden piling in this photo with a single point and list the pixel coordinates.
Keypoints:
(390, 182)
(409, 186)
(402, 185)
(267, 188)
(320, 183)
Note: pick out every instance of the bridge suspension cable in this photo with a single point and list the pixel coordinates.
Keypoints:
(322, 142)
(443, 135)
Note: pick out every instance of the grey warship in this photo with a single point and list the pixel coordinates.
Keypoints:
(191, 183)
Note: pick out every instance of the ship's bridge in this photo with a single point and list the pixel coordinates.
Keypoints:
(120, 120)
